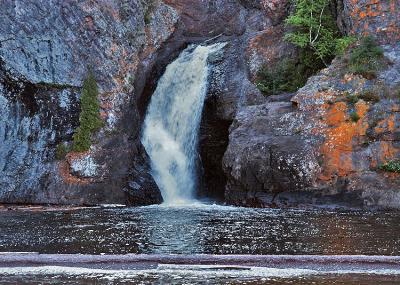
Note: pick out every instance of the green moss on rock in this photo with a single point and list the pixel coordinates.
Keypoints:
(391, 166)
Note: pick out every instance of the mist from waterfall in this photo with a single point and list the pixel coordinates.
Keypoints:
(171, 126)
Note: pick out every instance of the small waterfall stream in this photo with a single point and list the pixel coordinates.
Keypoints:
(171, 126)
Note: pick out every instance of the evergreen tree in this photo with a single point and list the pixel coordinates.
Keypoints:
(89, 119)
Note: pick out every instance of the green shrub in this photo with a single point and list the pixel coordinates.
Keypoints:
(342, 44)
(354, 117)
(288, 76)
(276, 80)
(61, 151)
(89, 119)
(313, 27)
(367, 58)
(391, 166)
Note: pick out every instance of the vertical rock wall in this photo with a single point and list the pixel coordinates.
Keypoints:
(46, 49)
(309, 151)
(380, 18)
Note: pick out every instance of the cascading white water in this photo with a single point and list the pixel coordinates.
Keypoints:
(172, 122)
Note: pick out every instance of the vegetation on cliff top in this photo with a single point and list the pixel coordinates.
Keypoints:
(314, 28)
(314, 31)
(367, 58)
(89, 119)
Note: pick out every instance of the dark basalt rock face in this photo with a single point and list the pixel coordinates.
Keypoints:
(46, 49)
(213, 142)
(309, 151)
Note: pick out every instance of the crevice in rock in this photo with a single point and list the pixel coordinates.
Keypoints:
(213, 142)
(27, 98)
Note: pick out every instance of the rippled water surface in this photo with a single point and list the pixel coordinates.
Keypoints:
(200, 229)
(52, 275)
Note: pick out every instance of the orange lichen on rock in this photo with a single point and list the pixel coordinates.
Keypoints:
(387, 125)
(374, 8)
(377, 17)
(338, 146)
(65, 171)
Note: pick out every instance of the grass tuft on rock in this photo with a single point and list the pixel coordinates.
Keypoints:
(89, 119)
(367, 58)
(61, 151)
(149, 7)
(354, 117)
(369, 96)
(351, 98)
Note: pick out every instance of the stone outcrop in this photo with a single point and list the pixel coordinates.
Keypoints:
(46, 49)
(310, 151)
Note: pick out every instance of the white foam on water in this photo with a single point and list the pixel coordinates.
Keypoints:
(199, 205)
(171, 126)
(202, 271)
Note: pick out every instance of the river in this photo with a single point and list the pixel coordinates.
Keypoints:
(198, 234)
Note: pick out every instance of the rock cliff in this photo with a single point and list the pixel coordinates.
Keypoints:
(308, 150)
(46, 49)
(288, 149)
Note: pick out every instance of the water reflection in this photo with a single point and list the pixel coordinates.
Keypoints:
(172, 230)
(201, 229)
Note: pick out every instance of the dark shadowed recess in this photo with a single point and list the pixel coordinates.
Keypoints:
(213, 141)
(214, 132)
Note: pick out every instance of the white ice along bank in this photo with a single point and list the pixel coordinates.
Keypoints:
(171, 126)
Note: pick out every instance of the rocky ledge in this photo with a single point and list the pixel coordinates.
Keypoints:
(309, 150)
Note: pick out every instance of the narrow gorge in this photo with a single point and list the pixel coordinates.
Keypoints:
(171, 127)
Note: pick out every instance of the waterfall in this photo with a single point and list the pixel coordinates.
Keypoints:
(171, 126)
